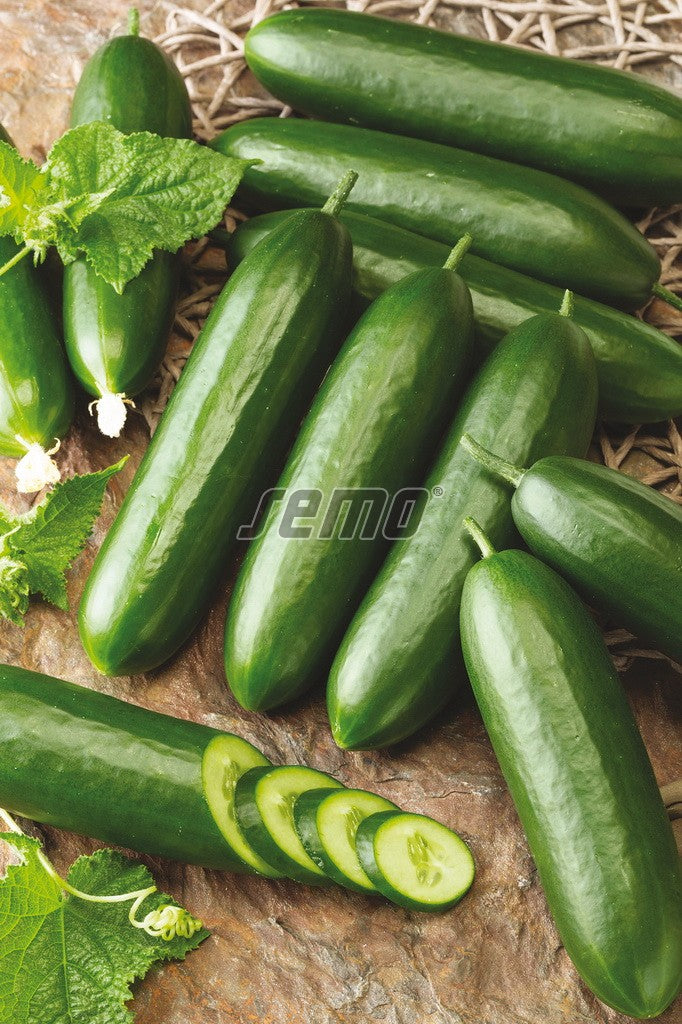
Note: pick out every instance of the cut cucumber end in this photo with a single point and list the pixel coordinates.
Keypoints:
(415, 861)
(327, 823)
(264, 803)
(226, 759)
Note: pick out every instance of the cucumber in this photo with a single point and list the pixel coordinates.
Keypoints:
(370, 435)
(639, 368)
(327, 824)
(520, 218)
(580, 778)
(400, 663)
(613, 131)
(618, 542)
(221, 442)
(415, 861)
(116, 342)
(264, 804)
(36, 396)
(89, 763)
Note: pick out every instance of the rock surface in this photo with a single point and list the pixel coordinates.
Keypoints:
(282, 953)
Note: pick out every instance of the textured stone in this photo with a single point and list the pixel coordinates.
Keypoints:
(281, 953)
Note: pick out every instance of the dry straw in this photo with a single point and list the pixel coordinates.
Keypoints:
(206, 41)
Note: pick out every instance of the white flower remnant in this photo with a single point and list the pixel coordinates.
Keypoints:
(37, 469)
(111, 412)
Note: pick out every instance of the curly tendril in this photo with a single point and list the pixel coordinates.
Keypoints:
(166, 922)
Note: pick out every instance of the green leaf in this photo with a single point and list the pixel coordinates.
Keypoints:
(53, 533)
(14, 590)
(67, 961)
(116, 198)
(21, 185)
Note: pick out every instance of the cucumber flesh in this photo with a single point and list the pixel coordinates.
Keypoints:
(414, 861)
(264, 803)
(225, 760)
(327, 823)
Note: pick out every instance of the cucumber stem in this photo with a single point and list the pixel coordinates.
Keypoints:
(15, 259)
(133, 22)
(337, 199)
(458, 252)
(664, 293)
(482, 540)
(567, 304)
(500, 467)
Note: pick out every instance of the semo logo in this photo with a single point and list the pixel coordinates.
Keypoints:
(351, 513)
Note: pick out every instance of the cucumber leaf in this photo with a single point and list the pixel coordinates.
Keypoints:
(65, 960)
(115, 198)
(46, 540)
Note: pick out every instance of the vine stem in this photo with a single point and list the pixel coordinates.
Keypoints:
(482, 540)
(664, 293)
(15, 259)
(500, 467)
(458, 252)
(337, 199)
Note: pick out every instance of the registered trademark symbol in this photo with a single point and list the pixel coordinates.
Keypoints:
(437, 492)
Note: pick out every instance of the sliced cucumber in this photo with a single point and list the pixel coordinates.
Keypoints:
(225, 760)
(327, 823)
(414, 861)
(264, 804)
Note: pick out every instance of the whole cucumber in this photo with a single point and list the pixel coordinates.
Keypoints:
(399, 662)
(610, 130)
(370, 434)
(618, 542)
(86, 762)
(221, 442)
(639, 368)
(36, 395)
(580, 778)
(521, 218)
(116, 342)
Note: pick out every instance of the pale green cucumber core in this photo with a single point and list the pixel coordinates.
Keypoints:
(338, 818)
(226, 758)
(423, 859)
(275, 796)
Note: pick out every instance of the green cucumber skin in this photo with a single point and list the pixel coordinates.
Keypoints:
(92, 764)
(612, 131)
(222, 440)
(639, 367)
(521, 218)
(394, 385)
(618, 542)
(259, 838)
(399, 663)
(116, 342)
(36, 396)
(130, 83)
(580, 778)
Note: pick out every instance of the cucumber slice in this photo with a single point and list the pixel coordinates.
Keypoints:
(327, 823)
(414, 861)
(264, 804)
(225, 760)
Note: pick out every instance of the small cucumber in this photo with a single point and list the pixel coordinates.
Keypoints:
(86, 762)
(639, 367)
(264, 804)
(36, 396)
(369, 436)
(415, 861)
(580, 777)
(116, 342)
(618, 542)
(520, 218)
(327, 823)
(399, 662)
(221, 442)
